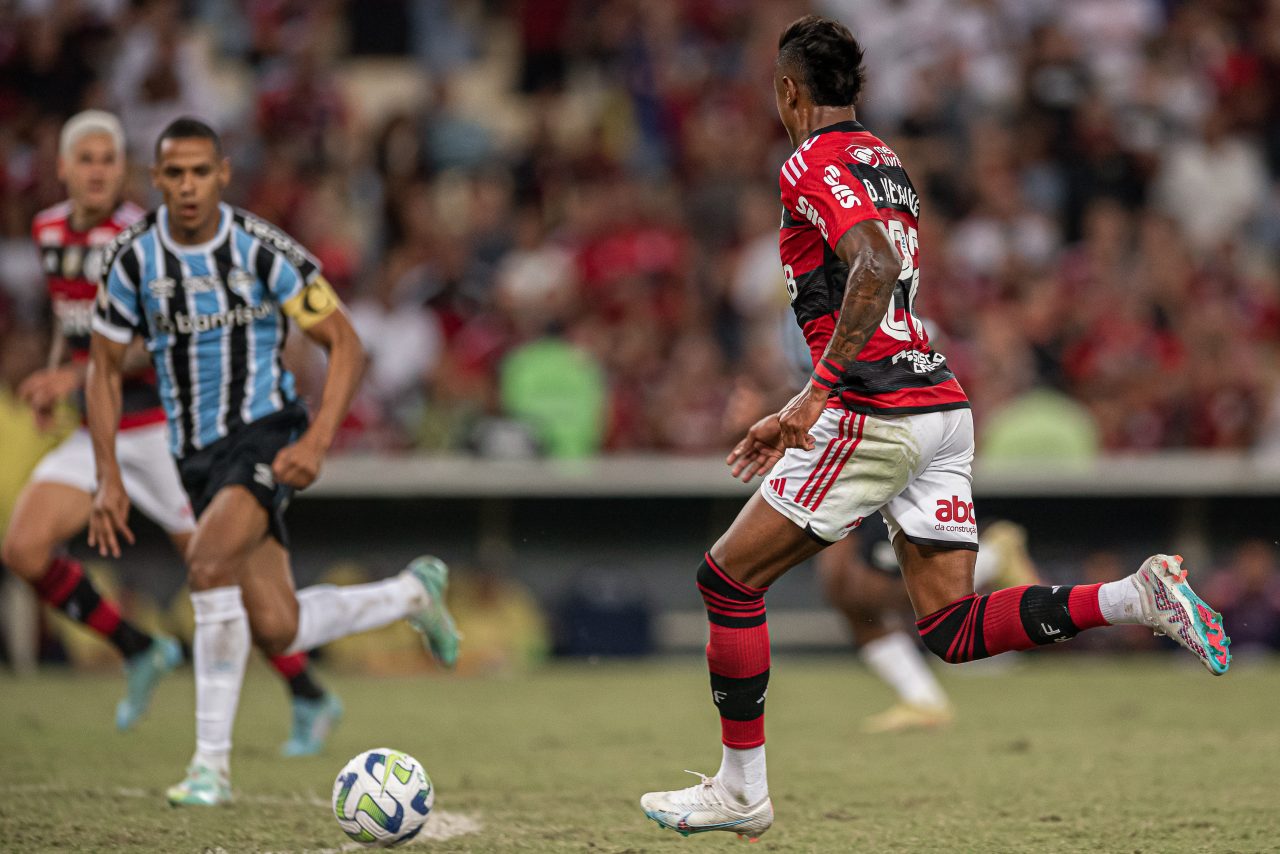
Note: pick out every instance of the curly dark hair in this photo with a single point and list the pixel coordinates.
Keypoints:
(827, 57)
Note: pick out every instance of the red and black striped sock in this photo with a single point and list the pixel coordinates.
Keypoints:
(66, 587)
(296, 670)
(737, 654)
(1016, 618)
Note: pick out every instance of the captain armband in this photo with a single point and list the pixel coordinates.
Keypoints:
(313, 303)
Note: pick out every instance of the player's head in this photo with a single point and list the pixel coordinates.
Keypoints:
(819, 65)
(191, 173)
(91, 160)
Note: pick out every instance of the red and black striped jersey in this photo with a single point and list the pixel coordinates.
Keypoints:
(72, 260)
(840, 176)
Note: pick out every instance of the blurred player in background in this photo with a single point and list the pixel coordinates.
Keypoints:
(861, 578)
(881, 426)
(210, 290)
(56, 503)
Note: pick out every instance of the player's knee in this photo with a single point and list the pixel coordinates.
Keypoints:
(207, 572)
(949, 634)
(273, 629)
(273, 636)
(940, 646)
(25, 556)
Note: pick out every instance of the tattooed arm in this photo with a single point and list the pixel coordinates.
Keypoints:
(874, 268)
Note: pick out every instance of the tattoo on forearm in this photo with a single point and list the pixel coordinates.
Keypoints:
(866, 298)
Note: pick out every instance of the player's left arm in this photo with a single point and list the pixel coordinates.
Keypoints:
(320, 314)
(874, 268)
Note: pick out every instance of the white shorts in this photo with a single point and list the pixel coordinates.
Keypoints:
(914, 469)
(149, 473)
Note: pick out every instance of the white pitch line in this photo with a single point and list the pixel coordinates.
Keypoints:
(441, 824)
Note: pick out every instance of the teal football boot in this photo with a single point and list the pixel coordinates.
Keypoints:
(313, 721)
(434, 620)
(141, 673)
(203, 787)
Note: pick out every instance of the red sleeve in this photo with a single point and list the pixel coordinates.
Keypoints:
(818, 188)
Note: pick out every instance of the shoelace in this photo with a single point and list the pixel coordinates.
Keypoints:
(698, 795)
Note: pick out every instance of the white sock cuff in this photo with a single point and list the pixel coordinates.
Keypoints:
(896, 658)
(1120, 602)
(887, 648)
(985, 566)
(217, 605)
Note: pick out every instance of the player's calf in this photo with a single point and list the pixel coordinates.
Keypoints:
(1017, 618)
(1157, 596)
(737, 654)
(65, 586)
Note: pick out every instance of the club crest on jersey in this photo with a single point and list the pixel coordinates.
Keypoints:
(92, 268)
(72, 258)
(880, 155)
(863, 155)
(240, 282)
(162, 287)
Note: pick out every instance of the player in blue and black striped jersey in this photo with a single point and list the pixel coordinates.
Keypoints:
(211, 289)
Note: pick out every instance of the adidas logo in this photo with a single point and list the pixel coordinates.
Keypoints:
(262, 474)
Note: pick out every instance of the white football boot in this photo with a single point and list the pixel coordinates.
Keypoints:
(707, 806)
(1171, 608)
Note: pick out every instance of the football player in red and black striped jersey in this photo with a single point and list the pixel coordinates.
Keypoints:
(882, 426)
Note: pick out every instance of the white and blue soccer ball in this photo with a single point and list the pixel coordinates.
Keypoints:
(382, 797)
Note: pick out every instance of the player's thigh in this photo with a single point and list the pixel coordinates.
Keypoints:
(269, 596)
(762, 544)
(53, 506)
(835, 565)
(861, 571)
(181, 543)
(932, 521)
(230, 529)
(46, 514)
(151, 479)
(858, 463)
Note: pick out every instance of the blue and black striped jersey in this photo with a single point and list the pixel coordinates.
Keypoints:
(211, 316)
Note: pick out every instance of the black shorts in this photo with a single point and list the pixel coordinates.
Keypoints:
(244, 459)
(876, 547)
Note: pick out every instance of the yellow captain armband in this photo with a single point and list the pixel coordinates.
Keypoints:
(313, 303)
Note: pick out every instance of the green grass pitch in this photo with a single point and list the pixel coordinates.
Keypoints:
(1050, 755)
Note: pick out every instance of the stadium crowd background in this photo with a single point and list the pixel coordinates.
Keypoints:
(555, 221)
(550, 207)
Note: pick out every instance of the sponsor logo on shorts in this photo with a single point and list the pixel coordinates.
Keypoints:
(262, 474)
(956, 515)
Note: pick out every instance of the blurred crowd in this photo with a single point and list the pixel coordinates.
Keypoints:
(555, 221)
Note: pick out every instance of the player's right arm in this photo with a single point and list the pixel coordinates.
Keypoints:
(116, 318)
(103, 406)
(46, 387)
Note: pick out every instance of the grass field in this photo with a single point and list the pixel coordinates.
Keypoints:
(1150, 755)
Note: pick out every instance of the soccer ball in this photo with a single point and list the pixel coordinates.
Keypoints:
(382, 797)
